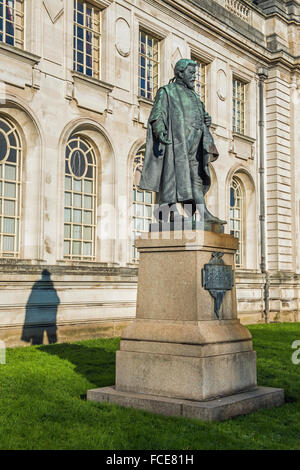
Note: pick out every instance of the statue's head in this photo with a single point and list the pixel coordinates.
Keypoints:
(185, 71)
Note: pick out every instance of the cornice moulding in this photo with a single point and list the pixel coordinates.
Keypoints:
(251, 48)
(81, 77)
(19, 54)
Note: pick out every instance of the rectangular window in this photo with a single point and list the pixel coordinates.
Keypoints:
(200, 84)
(238, 106)
(12, 22)
(87, 35)
(148, 65)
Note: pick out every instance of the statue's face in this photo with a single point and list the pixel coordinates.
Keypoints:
(189, 76)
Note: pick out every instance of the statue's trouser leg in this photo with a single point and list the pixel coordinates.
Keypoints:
(191, 207)
(197, 188)
(198, 195)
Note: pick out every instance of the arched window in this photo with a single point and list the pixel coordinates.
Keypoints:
(142, 203)
(80, 200)
(236, 218)
(10, 188)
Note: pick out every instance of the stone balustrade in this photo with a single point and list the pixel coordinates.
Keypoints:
(239, 9)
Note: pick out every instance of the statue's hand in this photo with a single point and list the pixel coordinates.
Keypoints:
(207, 119)
(162, 137)
(160, 132)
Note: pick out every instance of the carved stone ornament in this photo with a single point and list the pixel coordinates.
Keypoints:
(222, 85)
(217, 278)
(123, 38)
(177, 55)
(54, 9)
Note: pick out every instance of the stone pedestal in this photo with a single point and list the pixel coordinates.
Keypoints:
(177, 349)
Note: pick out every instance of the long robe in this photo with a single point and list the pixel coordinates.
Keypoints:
(166, 168)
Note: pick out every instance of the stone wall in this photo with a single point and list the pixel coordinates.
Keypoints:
(48, 102)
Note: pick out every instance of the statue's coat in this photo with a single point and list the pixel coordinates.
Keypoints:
(166, 167)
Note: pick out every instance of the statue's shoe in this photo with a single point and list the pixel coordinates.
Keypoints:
(211, 219)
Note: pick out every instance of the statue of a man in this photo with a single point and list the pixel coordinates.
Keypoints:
(179, 147)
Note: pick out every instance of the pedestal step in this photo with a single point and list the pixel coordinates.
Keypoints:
(218, 409)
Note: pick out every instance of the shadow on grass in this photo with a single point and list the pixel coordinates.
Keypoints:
(96, 364)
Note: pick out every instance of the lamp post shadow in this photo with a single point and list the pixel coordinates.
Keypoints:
(41, 312)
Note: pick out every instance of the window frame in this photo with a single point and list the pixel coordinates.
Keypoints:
(137, 163)
(19, 26)
(17, 199)
(96, 35)
(204, 65)
(234, 184)
(155, 86)
(81, 257)
(239, 100)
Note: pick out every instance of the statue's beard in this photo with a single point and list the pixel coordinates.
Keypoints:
(190, 85)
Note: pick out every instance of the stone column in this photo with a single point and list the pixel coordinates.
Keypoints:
(279, 195)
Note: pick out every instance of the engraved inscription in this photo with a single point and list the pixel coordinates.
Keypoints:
(218, 277)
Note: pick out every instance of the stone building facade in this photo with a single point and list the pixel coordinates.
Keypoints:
(77, 82)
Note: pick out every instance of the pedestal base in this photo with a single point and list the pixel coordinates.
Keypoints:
(183, 356)
(218, 409)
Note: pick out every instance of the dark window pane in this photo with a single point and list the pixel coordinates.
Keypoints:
(12, 156)
(67, 169)
(77, 163)
(80, 19)
(89, 62)
(4, 126)
(80, 33)
(232, 197)
(90, 172)
(89, 49)
(89, 36)
(10, 40)
(83, 146)
(89, 157)
(3, 146)
(12, 139)
(73, 144)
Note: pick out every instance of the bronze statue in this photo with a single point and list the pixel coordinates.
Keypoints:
(179, 148)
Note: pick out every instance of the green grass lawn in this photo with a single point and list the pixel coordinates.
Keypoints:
(43, 406)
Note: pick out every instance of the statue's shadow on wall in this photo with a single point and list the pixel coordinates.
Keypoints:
(41, 312)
